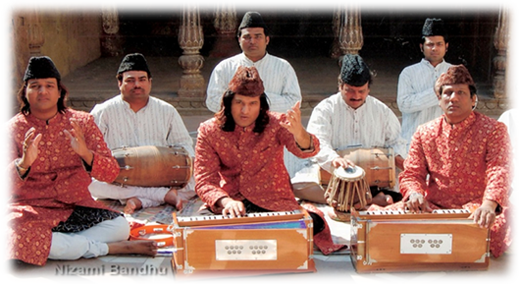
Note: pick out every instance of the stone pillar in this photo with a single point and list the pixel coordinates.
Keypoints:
(350, 32)
(191, 39)
(35, 36)
(111, 42)
(226, 24)
(500, 61)
(335, 51)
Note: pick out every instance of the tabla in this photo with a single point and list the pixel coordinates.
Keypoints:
(348, 188)
(153, 166)
(378, 163)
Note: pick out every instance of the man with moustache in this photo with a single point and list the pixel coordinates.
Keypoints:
(415, 96)
(54, 152)
(279, 78)
(134, 118)
(462, 159)
(239, 166)
(347, 119)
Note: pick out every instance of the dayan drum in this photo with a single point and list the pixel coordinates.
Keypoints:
(378, 163)
(152, 166)
(348, 188)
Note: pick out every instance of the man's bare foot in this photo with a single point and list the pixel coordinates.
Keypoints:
(178, 198)
(142, 247)
(382, 200)
(132, 204)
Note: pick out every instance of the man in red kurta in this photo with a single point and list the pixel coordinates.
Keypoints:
(239, 163)
(54, 153)
(461, 160)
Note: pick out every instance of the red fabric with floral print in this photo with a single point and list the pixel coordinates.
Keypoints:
(247, 165)
(55, 183)
(467, 163)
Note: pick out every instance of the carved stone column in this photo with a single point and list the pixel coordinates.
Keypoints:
(111, 42)
(226, 24)
(350, 32)
(35, 36)
(191, 39)
(335, 51)
(500, 61)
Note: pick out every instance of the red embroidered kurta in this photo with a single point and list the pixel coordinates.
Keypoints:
(247, 165)
(467, 163)
(55, 183)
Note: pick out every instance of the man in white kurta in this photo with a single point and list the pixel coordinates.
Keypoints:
(416, 98)
(277, 74)
(511, 118)
(350, 118)
(154, 122)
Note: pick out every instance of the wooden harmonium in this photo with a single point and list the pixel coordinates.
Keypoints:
(399, 241)
(270, 242)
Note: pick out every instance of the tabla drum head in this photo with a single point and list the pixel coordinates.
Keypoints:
(349, 173)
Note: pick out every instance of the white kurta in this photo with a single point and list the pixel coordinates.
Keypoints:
(416, 97)
(511, 118)
(338, 126)
(157, 124)
(280, 81)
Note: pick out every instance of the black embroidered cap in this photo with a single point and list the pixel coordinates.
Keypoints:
(134, 62)
(41, 67)
(354, 71)
(252, 20)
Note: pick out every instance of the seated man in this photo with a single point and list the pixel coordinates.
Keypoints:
(460, 160)
(239, 165)
(54, 153)
(134, 118)
(350, 117)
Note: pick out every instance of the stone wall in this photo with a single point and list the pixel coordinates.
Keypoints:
(68, 32)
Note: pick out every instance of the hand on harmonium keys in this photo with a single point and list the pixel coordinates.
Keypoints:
(417, 204)
(232, 207)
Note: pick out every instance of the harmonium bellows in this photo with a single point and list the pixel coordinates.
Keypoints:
(256, 243)
(399, 241)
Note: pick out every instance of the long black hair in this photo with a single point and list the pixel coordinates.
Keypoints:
(225, 118)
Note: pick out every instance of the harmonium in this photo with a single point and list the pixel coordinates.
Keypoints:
(400, 241)
(258, 243)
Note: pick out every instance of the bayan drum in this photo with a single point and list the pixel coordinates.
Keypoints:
(347, 188)
(152, 166)
(378, 163)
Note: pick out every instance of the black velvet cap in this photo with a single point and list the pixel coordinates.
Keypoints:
(41, 67)
(252, 20)
(134, 62)
(434, 27)
(354, 71)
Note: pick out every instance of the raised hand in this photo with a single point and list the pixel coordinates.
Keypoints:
(30, 148)
(77, 142)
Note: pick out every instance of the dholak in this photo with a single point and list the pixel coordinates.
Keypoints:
(152, 166)
(378, 163)
(348, 188)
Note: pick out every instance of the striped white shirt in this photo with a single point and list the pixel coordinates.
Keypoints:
(416, 97)
(157, 124)
(280, 81)
(511, 118)
(338, 126)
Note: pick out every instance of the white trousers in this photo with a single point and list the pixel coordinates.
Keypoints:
(149, 196)
(91, 242)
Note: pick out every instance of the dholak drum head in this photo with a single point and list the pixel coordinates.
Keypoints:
(349, 173)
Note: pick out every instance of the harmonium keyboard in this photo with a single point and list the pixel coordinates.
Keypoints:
(258, 243)
(400, 241)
